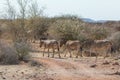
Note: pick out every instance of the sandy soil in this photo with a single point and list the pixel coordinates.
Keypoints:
(62, 69)
(78, 69)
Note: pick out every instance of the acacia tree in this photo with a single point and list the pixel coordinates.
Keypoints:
(10, 15)
(18, 17)
(10, 11)
(16, 29)
(37, 23)
(22, 15)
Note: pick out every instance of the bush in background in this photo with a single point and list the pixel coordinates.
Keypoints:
(99, 33)
(67, 28)
(115, 37)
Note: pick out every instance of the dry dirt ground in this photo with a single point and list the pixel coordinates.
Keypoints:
(62, 69)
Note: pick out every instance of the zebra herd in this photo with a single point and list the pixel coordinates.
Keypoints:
(91, 46)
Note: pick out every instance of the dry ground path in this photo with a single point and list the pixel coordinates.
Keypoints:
(75, 69)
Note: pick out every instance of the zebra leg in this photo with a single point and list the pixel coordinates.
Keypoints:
(96, 55)
(59, 55)
(48, 53)
(53, 52)
(77, 54)
(43, 52)
(65, 53)
(106, 54)
(81, 51)
(70, 54)
(58, 48)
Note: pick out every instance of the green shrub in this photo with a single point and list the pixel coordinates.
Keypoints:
(66, 28)
(22, 50)
(99, 33)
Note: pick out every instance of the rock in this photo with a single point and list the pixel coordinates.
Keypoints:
(112, 68)
(3, 77)
(94, 65)
(22, 72)
(13, 76)
(34, 76)
(115, 63)
(117, 73)
(106, 63)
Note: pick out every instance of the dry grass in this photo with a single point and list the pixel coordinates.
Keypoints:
(8, 54)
